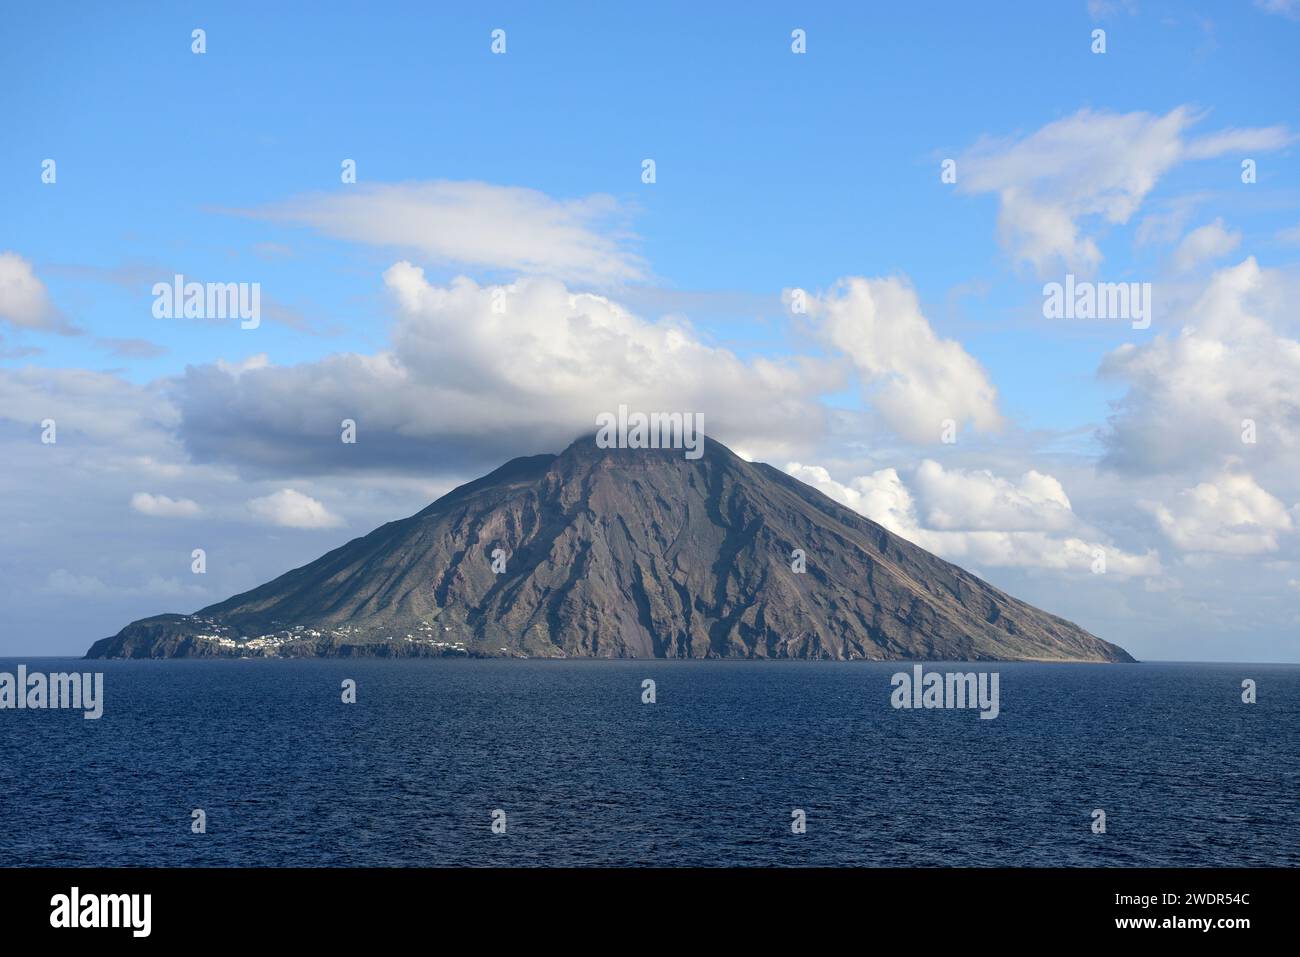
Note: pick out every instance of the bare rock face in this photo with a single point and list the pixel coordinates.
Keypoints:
(621, 553)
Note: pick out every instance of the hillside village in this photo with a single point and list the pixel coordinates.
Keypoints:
(270, 645)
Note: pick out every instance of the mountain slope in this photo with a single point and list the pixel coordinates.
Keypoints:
(624, 553)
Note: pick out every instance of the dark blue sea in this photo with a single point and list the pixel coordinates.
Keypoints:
(287, 774)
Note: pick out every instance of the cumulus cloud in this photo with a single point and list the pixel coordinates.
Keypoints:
(476, 225)
(1205, 244)
(160, 506)
(477, 374)
(964, 500)
(24, 301)
(974, 517)
(1231, 514)
(880, 496)
(289, 508)
(1093, 169)
(1194, 397)
(913, 377)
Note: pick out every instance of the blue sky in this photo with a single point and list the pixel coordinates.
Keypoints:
(774, 171)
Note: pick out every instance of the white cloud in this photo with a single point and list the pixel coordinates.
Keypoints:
(969, 505)
(290, 508)
(1058, 184)
(477, 374)
(914, 378)
(1207, 243)
(1190, 394)
(1231, 514)
(1264, 138)
(979, 500)
(476, 225)
(880, 496)
(24, 301)
(160, 506)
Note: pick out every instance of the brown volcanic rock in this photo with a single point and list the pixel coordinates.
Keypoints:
(627, 553)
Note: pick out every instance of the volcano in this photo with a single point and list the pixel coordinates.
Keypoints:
(624, 553)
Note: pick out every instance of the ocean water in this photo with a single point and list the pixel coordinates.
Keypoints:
(587, 774)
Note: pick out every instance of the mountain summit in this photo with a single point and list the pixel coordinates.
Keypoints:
(624, 553)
